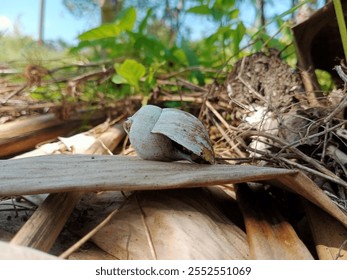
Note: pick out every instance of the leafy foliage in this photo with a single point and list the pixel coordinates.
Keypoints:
(125, 22)
(138, 46)
(130, 71)
(142, 46)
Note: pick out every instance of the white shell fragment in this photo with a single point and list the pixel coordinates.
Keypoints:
(186, 130)
(168, 135)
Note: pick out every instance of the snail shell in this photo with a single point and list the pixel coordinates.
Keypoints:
(168, 135)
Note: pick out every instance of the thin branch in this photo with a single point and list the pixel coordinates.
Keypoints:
(187, 69)
(298, 142)
(325, 142)
(233, 146)
(252, 90)
(85, 238)
(343, 245)
(219, 116)
(148, 233)
(341, 74)
(302, 155)
(342, 105)
(301, 167)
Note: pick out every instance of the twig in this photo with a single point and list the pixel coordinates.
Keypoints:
(219, 117)
(188, 69)
(309, 87)
(180, 98)
(341, 193)
(279, 30)
(87, 76)
(302, 167)
(302, 155)
(148, 233)
(210, 92)
(233, 146)
(295, 143)
(4, 101)
(339, 202)
(312, 171)
(81, 65)
(16, 210)
(85, 238)
(325, 142)
(343, 245)
(44, 226)
(191, 86)
(338, 109)
(239, 76)
(14, 207)
(341, 74)
(245, 159)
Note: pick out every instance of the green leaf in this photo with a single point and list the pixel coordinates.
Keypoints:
(101, 32)
(193, 60)
(124, 22)
(118, 79)
(144, 23)
(200, 10)
(325, 80)
(217, 15)
(151, 47)
(238, 33)
(180, 55)
(224, 4)
(126, 19)
(233, 14)
(132, 71)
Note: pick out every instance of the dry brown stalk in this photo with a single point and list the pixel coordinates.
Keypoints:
(302, 155)
(252, 90)
(44, 226)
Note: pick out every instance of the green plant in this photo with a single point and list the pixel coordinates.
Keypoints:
(325, 80)
(342, 25)
(141, 47)
(129, 72)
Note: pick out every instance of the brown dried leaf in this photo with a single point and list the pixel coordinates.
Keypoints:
(329, 235)
(172, 224)
(269, 235)
(96, 173)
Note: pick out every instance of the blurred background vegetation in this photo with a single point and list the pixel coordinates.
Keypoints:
(141, 41)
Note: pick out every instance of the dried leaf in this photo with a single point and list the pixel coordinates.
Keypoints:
(172, 224)
(97, 172)
(329, 235)
(269, 235)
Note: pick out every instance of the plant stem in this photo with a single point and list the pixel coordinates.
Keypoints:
(342, 25)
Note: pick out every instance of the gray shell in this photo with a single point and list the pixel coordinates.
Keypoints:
(168, 135)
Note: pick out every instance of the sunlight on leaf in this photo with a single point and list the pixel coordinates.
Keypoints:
(101, 32)
(132, 71)
(127, 18)
(325, 80)
(124, 22)
(118, 79)
(200, 10)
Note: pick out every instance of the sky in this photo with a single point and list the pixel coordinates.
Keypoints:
(61, 24)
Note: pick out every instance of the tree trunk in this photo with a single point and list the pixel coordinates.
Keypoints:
(110, 9)
(261, 12)
(41, 25)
